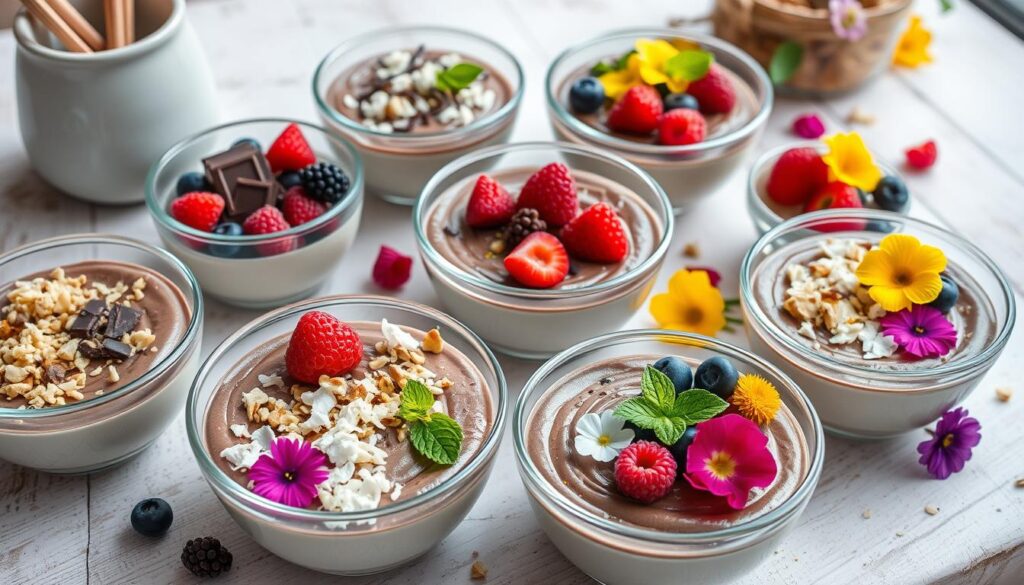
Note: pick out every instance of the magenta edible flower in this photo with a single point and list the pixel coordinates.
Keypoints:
(808, 126)
(848, 19)
(921, 331)
(713, 274)
(950, 447)
(290, 473)
(392, 268)
(729, 457)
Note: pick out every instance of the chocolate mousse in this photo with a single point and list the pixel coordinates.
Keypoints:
(420, 90)
(354, 418)
(83, 330)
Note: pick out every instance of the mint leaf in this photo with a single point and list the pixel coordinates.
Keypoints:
(639, 412)
(657, 388)
(438, 438)
(946, 5)
(785, 61)
(619, 64)
(670, 429)
(689, 65)
(697, 405)
(417, 400)
(457, 77)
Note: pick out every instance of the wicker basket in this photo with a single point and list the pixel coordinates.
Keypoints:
(830, 65)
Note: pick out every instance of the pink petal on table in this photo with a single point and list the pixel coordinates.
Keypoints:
(808, 126)
(392, 268)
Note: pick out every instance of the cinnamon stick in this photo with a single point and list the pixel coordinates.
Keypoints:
(113, 10)
(129, 21)
(78, 23)
(45, 14)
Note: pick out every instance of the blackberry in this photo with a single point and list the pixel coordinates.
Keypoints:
(325, 182)
(205, 557)
(523, 223)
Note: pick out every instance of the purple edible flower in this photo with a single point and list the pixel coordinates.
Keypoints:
(950, 447)
(848, 20)
(808, 126)
(290, 474)
(921, 331)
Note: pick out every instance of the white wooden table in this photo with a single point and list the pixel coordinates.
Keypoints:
(263, 52)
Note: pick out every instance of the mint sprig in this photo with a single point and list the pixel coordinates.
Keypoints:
(660, 409)
(689, 64)
(457, 77)
(435, 435)
(602, 67)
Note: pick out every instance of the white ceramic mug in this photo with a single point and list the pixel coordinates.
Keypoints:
(94, 123)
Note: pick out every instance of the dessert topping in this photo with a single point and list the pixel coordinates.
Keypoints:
(325, 182)
(596, 235)
(660, 409)
(681, 126)
(290, 151)
(602, 436)
(850, 161)
(645, 471)
(921, 331)
(797, 175)
(730, 457)
(637, 112)
(298, 208)
(435, 435)
(524, 222)
(756, 398)
(290, 473)
(198, 210)
(552, 192)
(586, 95)
(321, 345)
(489, 205)
(539, 261)
(714, 91)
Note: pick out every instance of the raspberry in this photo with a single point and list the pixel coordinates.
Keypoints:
(322, 345)
(682, 126)
(552, 192)
(268, 220)
(199, 210)
(645, 471)
(797, 175)
(596, 235)
(714, 91)
(637, 111)
(489, 205)
(923, 156)
(299, 208)
(290, 151)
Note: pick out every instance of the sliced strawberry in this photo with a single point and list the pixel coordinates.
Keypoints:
(836, 195)
(290, 151)
(539, 261)
(552, 192)
(637, 111)
(489, 205)
(596, 235)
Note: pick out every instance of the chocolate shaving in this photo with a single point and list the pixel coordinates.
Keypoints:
(117, 350)
(122, 319)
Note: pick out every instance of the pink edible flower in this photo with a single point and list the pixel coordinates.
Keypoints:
(848, 19)
(921, 331)
(290, 474)
(392, 268)
(713, 274)
(729, 457)
(808, 126)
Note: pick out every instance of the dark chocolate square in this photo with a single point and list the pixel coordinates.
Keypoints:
(84, 325)
(117, 350)
(241, 161)
(249, 195)
(121, 320)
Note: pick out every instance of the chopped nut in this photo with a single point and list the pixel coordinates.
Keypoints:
(866, 514)
(433, 343)
(859, 116)
(497, 247)
(691, 250)
(1019, 483)
(378, 362)
(931, 510)
(1004, 394)
(112, 374)
(478, 570)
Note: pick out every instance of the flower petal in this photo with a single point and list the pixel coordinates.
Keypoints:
(664, 309)
(924, 288)
(876, 269)
(589, 426)
(585, 446)
(891, 299)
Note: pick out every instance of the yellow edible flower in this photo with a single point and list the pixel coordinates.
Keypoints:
(912, 48)
(850, 162)
(691, 304)
(617, 83)
(756, 398)
(902, 272)
(653, 57)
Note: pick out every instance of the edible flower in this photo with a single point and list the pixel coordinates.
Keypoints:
(602, 436)
(912, 48)
(756, 398)
(654, 56)
(392, 268)
(290, 473)
(808, 126)
(850, 162)
(848, 19)
(713, 275)
(691, 304)
(902, 272)
(950, 446)
(729, 456)
(617, 82)
(921, 331)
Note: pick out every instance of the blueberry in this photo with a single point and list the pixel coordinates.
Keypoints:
(289, 179)
(680, 447)
(880, 226)
(190, 182)
(948, 296)
(152, 517)
(677, 370)
(676, 101)
(251, 141)
(586, 95)
(863, 196)
(891, 194)
(228, 228)
(718, 376)
(641, 434)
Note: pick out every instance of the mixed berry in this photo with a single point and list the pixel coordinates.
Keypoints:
(245, 191)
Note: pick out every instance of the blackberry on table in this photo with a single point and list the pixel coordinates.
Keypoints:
(206, 557)
(325, 182)
(523, 223)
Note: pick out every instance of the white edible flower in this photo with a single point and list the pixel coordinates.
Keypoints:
(396, 336)
(602, 436)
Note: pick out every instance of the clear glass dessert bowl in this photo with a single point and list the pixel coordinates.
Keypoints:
(588, 531)
(360, 542)
(103, 430)
(267, 270)
(417, 154)
(536, 323)
(689, 172)
(871, 398)
(767, 214)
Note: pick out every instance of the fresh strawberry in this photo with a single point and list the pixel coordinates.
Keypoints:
(714, 91)
(682, 126)
(321, 345)
(489, 205)
(198, 209)
(552, 192)
(596, 235)
(298, 208)
(268, 220)
(290, 151)
(922, 156)
(539, 261)
(836, 195)
(798, 174)
(637, 111)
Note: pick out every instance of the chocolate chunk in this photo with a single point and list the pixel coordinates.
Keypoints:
(121, 320)
(242, 161)
(95, 307)
(91, 350)
(249, 195)
(84, 325)
(55, 373)
(117, 350)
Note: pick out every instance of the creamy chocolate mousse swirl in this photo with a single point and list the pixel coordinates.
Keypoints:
(468, 401)
(973, 316)
(469, 248)
(590, 484)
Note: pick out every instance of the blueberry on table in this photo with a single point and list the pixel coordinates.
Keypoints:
(227, 228)
(190, 182)
(289, 179)
(891, 194)
(718, 376)
(251, 141)
(677, 370)
(586, 95)
(681, 101)
(680, 447)
(152, 517)
(641, 434)
(948, 296)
